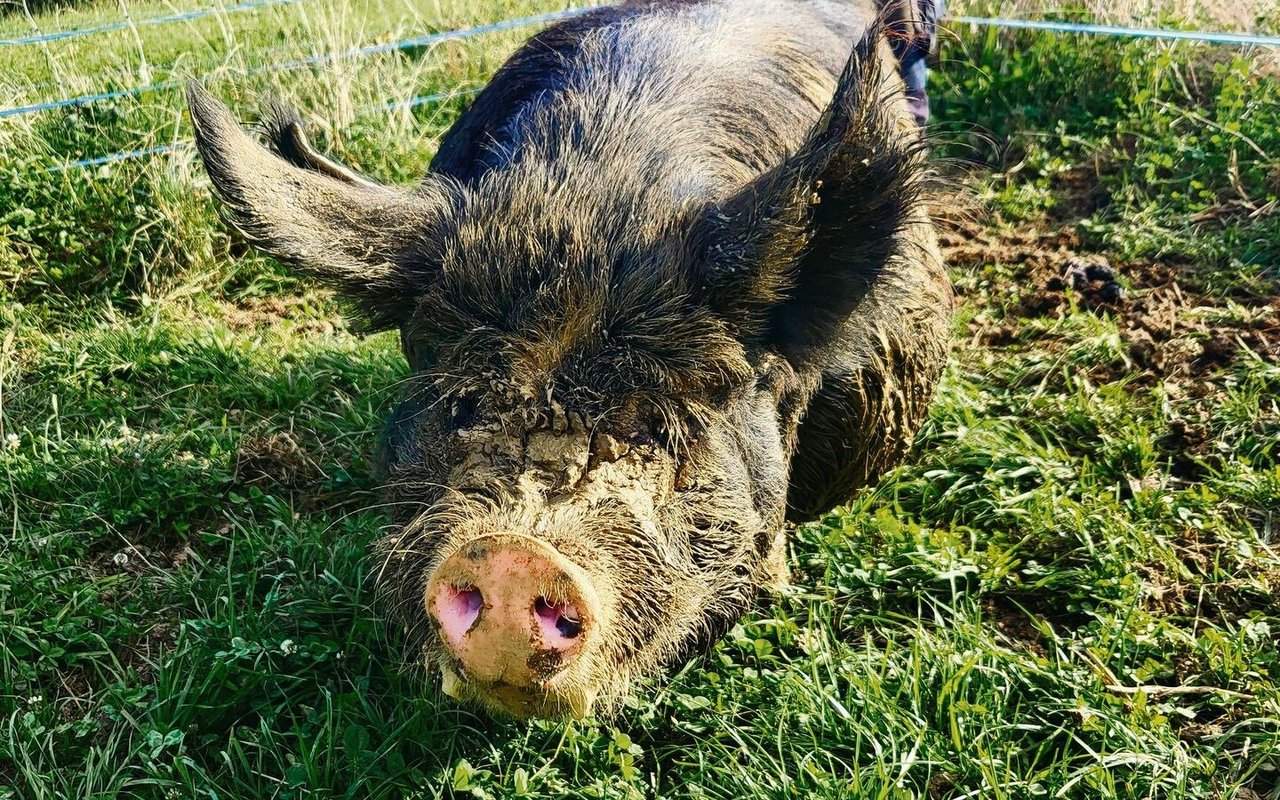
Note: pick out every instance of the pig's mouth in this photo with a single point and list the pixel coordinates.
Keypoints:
(518, 701)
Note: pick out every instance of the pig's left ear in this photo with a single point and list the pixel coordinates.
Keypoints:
(376, 245)
(786, 260)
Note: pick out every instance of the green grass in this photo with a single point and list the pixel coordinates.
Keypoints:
(1071, 589)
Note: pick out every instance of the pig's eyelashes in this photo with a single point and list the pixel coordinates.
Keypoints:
(462, 414)
(666, 434)
(656, 432)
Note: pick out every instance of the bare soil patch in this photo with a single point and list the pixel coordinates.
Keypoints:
(1174, 328)
(260, 313)
(276, 460)
(1015, 624)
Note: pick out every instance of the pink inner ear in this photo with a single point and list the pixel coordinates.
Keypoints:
(561, 623)
(457, 610)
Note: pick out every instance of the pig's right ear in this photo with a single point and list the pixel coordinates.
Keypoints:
(788, 258)
(376, 245)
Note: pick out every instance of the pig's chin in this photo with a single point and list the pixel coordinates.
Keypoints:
(563, 698)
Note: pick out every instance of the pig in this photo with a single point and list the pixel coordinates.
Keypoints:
(669, 286)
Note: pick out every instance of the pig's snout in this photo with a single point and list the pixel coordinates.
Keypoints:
(513, 612)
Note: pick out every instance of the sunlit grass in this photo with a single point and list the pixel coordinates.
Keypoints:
(1071, 589)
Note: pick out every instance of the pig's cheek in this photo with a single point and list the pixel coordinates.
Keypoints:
(398, 446)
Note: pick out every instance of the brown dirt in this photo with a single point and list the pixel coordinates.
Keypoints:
(1177, 334)
(971, 245)
(76, 690)
(138, 558)
(1015, 625)
(1169, 336)
(259, 313)
(1079, 192)
(1252, 587)
(142, 654)
(77, 687)
(1168, 324)
(277, 460)
(941, 784)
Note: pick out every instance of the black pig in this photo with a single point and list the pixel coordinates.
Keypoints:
(669, 282)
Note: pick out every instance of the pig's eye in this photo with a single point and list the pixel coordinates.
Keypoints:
(462, 414)
(656, 432)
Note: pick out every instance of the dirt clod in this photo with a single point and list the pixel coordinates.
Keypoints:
(276, 459)
(1093, 278)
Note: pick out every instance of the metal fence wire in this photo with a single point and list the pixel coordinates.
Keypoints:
(298, 63)
(75, 33)
(1164, 34)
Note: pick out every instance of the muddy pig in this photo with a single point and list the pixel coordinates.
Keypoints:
(669, 284)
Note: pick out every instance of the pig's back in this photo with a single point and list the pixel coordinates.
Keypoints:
(691, 98)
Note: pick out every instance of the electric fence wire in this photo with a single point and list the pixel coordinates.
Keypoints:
(75, 33)
(146, 152)
(1166, 34)
(298, 63)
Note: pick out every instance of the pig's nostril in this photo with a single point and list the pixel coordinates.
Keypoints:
(569, 628)
(563, 617)
(462, 605)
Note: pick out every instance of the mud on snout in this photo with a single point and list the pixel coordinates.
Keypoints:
(536, 609)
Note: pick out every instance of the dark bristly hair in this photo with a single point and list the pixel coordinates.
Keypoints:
(669, 280)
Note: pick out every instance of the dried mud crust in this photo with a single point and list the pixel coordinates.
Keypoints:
(1172, 327)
